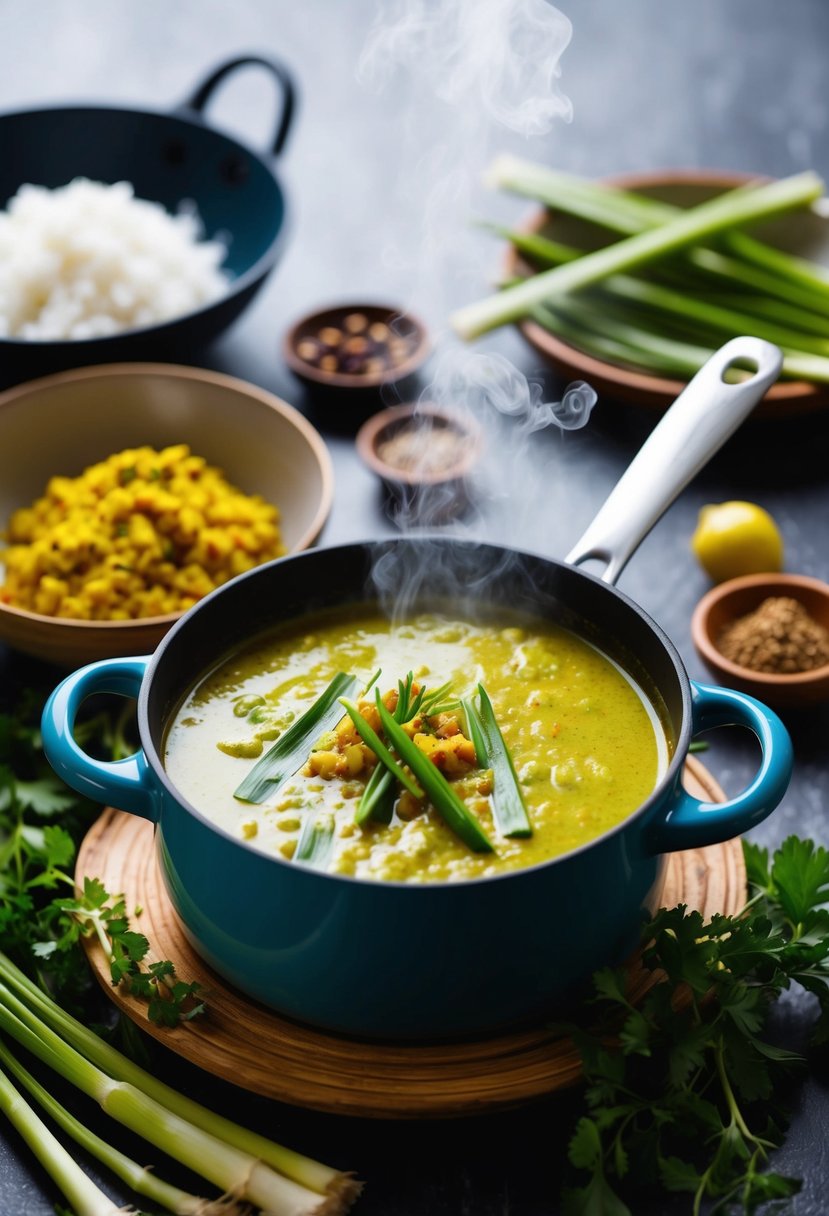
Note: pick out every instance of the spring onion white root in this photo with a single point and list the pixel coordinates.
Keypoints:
(241, 1163)
(84, 1196)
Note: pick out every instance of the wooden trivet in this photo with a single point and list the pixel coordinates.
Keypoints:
(251, 1046)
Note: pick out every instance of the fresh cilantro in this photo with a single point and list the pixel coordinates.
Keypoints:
(682, 1090)
(42, 919)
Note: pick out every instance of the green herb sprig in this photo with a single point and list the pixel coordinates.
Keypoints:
(40, 927)
(290, 751)
(686, 1094)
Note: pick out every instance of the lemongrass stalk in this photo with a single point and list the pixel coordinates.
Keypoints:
(305, 1170)
(611, 349)
(697, 223)
(729, 270)
(788, 265)
(139, 1178)
(764, 269)
(750, 306)
(231, 1169)
(683, 357)
(85, 1197)
(727, 320)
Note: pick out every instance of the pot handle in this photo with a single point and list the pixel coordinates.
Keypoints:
(199, 98)
(705, 414)
(691, 822)
(127, 784)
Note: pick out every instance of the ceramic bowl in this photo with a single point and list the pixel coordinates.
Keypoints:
(64, 423)
(805, 233)
(739, 596)
(307, 329)
(174, 158)
(432, 426)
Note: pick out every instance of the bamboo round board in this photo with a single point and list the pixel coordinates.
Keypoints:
(257, 1049)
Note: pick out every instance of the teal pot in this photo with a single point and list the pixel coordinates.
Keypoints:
(419, 962)
(169, 157)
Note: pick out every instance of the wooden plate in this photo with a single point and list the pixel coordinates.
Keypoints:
(804, 233)
(255, 1048)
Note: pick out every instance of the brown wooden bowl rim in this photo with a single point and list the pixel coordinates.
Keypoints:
(701, 636)
(612, 375)
(391, 375)
(203, 376)
(373, 427)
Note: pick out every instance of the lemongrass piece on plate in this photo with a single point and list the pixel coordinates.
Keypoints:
(587, 326)
(750, 303)
(341, 1189)
(290, 751)
(757, 265)
(697, 223)
(444, 799)
(140, 1178)
(85, 1196)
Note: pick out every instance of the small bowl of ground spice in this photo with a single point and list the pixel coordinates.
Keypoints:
(424, 454)
(767, 635)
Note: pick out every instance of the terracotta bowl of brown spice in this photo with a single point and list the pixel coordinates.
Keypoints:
(767, 635)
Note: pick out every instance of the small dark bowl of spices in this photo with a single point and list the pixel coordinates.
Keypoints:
(424, 455)
(358, 347)
(767, 635)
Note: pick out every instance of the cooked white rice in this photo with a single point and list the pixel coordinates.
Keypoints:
(87, 260)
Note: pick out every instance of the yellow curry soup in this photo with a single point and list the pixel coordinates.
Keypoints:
(587, 744)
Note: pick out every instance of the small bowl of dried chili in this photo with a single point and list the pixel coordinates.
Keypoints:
(356, 347)
(767, 635)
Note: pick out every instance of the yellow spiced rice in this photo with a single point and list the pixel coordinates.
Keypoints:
(140, 534)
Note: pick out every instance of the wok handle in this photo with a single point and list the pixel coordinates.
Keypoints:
(705, 414)
(691, 823)
(127, 783)
(199, 98)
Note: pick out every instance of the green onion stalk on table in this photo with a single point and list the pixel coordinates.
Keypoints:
(42, 977)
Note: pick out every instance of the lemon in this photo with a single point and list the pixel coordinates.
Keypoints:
(734, 538)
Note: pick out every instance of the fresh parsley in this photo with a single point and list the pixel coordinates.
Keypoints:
(682, 1089)
(42, 918)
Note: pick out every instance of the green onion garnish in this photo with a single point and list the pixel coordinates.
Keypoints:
(443, 798)
(475, 731)
(508, 805)
(291, 750)
(316, 840)
(377, 801)
(370, 738)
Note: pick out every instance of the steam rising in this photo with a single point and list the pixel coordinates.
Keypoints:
(491, 382)
(495, 58)
(475, 73)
